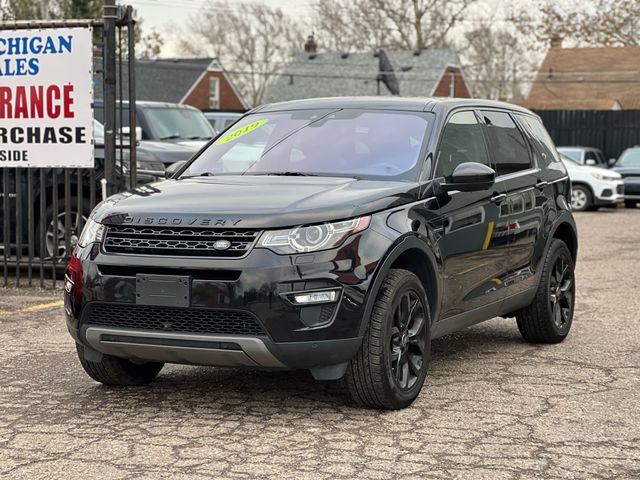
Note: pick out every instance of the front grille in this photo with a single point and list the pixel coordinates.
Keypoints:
(191, 242)
(171, 319)
(620, 189)
(632, 188)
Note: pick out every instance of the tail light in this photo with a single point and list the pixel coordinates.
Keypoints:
(72, 283)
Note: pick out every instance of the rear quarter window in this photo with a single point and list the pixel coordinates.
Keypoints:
(544, 149)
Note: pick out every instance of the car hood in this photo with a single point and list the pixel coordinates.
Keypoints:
(627, 171)
(585, 170)
(252, 201)
(168, 152)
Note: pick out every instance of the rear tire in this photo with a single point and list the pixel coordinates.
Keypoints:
(118, 371)
(581, 198)
(548, 319)
(630, 203)
(390, 368)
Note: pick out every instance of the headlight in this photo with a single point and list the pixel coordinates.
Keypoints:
(312, 238)
(92, 232)
(607, 178)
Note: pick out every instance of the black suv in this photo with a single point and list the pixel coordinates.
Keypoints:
(336, 235)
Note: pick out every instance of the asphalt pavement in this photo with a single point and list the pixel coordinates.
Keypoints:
(493, 406)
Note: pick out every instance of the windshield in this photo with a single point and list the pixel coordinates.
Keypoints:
(567, 159)
(178, 123)
(630, 158)
(354, 143)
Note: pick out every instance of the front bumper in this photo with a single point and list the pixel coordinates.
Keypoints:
(632, 188)
(258, 285)
(608, 192)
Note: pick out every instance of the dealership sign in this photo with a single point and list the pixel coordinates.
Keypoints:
(46, 92)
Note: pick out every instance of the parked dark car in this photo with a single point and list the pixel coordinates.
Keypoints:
(164, 122)
(628, 165)
(336, 235)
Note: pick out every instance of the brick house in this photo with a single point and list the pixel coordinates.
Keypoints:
(410, 74)
(587, 79)
(200, 82)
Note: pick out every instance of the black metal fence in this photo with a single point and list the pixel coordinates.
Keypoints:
(609, 130)
(43, 210)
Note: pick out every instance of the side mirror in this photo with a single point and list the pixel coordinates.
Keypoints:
(612, 161)
(173, 168)
(471, 177)
(591, 162)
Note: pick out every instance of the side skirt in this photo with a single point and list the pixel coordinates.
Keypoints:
(463, 320)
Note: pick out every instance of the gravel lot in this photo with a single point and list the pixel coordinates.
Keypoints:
(493, 406)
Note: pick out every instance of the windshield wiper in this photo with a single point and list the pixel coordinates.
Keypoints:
(170, 137)
(198, 138)
(288, 174)
(203, 174)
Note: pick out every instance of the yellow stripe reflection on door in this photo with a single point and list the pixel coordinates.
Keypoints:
(487, 239)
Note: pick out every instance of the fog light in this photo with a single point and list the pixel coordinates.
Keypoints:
(310, 298)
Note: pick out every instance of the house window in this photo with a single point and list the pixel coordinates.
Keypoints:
(214, 92)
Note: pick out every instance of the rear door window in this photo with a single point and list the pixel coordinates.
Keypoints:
(508, 147)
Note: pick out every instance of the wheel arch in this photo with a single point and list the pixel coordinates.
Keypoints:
(566, 232)
(585, 185)
(414, 255)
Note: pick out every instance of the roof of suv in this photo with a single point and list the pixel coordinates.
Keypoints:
(390, 103)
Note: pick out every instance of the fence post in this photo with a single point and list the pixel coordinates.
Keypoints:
(131, 57)
(110, 16)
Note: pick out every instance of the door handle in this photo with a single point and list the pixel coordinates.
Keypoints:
(540, 185)
(498, 197)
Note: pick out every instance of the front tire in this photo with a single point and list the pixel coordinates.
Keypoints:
(581, 198)
(390, 368)
(548, 319)
(112, 370)
(630, 203)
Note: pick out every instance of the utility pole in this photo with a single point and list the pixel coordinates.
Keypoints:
(44, 10)
(110, 16)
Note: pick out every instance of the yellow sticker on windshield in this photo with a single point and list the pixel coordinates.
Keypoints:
(249, 127)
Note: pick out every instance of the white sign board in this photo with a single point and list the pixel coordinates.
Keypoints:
(46, 92)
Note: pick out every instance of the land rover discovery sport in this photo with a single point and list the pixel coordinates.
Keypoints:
(336, 235)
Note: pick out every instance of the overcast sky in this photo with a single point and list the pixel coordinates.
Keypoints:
(162, 14)
(165, 15)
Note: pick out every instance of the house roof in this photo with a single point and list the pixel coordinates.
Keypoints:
(337, 74)
(163, 80)
(587, 78)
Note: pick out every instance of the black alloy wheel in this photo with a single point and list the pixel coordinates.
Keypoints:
(407, 343)
(391, 366)
(561, 293)
(549, 317)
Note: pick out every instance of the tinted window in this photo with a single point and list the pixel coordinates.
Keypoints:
(348, 142)
(461, 142)
(541, 139)
(508, 147)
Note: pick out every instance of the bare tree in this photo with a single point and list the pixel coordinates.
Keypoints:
(394, 24)
(254, 42)
(596, 23)
(497, 62)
